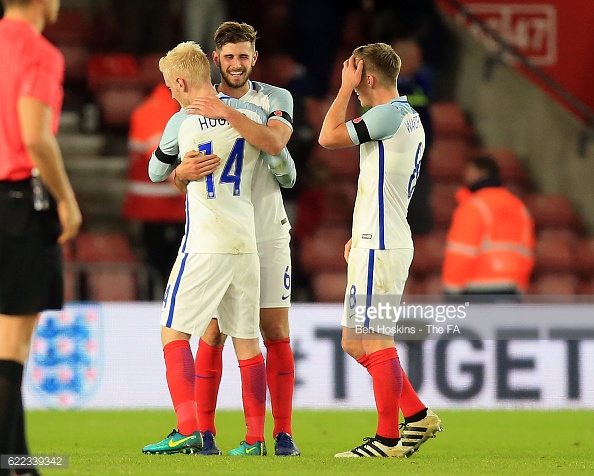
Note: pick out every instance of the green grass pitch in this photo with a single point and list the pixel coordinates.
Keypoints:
(474, 443)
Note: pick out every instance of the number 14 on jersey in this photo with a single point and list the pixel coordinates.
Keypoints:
(231, 171)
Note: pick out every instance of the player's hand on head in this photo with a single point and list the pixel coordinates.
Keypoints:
(70, 220)
(208, 106)
(196, 165)
(352, 71)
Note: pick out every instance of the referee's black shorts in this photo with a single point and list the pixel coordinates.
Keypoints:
(31, 275)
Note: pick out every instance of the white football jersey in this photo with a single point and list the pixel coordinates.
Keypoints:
(219, 210)
(270, 215)
(392, 142)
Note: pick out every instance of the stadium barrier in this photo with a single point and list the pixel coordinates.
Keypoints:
(108, 355)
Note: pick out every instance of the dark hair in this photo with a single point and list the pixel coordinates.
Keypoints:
(485, 163)
(234, 32)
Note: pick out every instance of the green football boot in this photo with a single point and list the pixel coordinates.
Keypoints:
(176, 443)
(257, 449)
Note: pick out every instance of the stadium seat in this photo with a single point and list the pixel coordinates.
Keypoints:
(113, 70)
(551, 211)
(447, 158)
(71, 28)
(116, 104)
(554, 284)
(110, 285)
(429, 253)
(338, 203)
(329, 286)
(76, 58)
(71, 283)
(316, 110)
(103, 247)
(586, 287)
(510, 169)
(443, 203)
(148, 66)
(432, 285)
(324, 251)
(553, 251)
(338, 163)
(583, 256)
(448, 121)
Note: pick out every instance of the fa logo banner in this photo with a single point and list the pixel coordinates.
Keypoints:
(64, 366)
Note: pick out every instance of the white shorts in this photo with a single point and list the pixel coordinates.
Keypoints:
(374, 277)
(203, 285)
(275, 272)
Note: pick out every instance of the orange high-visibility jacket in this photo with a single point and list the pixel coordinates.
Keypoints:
(147, 201)
(490, 243)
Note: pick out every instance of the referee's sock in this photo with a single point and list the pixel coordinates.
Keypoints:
(209, 369)
(253, 394)
(280, 375)
(11, 378)
(180, 373)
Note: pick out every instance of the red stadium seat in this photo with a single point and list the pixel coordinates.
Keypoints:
(429, 253)
(447, 158)
(103, 247)
(113, 70)
(551, 211)
(117, 104)
(324, 251)
(443, 203)
(71, 28)
(431, 285)
(553, 251)
(338, 163)
(448, 121)
(510, 169)
(329, 286)
(71, 282)
(111, 285)
(76, 58)
(338, 203)
(586, 287)
(149, 70)
(554, 284)
(583, 256)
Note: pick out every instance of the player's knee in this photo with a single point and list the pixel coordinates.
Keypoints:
(351, 347)
(274, 331)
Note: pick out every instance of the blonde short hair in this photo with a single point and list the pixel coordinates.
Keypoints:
(187, 61)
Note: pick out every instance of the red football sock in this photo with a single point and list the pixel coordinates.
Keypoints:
(280, 375)
(209, 369)
(180, 380)
(386, 375)
(409, 400)
(364, 361)
(253, 394)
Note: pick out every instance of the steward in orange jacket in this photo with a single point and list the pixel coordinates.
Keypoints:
(490, 243)
(159, 207)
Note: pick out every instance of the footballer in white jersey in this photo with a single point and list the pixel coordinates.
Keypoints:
(218, 262)
(392, 142)
(272, 224)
